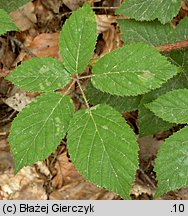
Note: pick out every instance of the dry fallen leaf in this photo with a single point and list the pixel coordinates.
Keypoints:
(104, 22)
(184, 5)
(5, 160)
(148, 147)
(17, 99)
(45, 45)
(4, 72)
(25, 185)
(109, 42)
(24, 17)
(73, 4)
(53, 5)
(82, 190)
(138, 189)
(66, 172)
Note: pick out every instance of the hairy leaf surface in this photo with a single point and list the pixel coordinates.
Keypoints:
(172, 106)
(153, 33)
(78, 38)
(38, 129)
(132, 70)
(6, 23)
(40, 75)
(163, 10)
(121, 104)
(172, 162)
(103, 148)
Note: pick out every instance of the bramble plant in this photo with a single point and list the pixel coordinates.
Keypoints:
(137, 76)
(12, 5)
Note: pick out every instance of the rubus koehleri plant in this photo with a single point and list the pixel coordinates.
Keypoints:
(101, 144)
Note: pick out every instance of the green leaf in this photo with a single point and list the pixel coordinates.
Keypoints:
(132, 70)
(103, 148)
(153, 33)
(121, 104)
(172, 106)
(163, 10)
(13, 5)
(78, 38)
(6, 23)
(38, 129)
(150, 123)
(172, 162)
(40, 75)
(180, 59)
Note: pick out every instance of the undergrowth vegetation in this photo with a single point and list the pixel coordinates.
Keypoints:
(146, 74)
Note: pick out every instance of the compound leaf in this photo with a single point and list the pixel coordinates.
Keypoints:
(38, 129)
(132, 70)
(103, 148)
(172, 106)
(6, 23)
(153, 33)
(78, 38)
(40, 75)
(121, 104)
(12, 5)
(171, 163)
(163, 10)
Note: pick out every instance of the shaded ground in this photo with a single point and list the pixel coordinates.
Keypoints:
(56, 177)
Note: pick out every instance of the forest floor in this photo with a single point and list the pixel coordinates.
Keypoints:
(40, 22)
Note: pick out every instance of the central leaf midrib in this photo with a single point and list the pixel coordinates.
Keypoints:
(79, 44)
(104, 147)
(124, 71)
(115, 123)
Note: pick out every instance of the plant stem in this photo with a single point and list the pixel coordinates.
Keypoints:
(85, 77)
(82, 91)
(73, 92)
(77, 97)
(170, 47)
(69, 88)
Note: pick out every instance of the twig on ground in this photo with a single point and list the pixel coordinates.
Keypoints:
(147, 178)
(3, 133)
(170, 47)
(9, 117)
(22, 46)
(104, 8)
